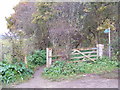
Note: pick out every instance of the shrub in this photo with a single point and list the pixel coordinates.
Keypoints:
(10, 73)
(115, 48)
(38, 58)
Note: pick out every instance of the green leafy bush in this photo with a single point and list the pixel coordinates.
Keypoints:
(10, 73)
(38, 58)
(61, 69)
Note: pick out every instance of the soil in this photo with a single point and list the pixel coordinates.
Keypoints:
(86, 81)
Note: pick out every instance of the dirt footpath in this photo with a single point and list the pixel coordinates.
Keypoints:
(87, 81)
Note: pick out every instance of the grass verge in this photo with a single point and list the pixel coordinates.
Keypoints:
(60, 70)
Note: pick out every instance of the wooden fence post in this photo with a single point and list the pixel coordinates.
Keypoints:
(48, 57)
(25, 60)
(0, 51)
(100, 48)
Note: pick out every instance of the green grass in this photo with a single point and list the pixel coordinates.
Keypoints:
(61, 70)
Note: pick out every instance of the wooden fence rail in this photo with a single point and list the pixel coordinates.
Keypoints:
(83, 53)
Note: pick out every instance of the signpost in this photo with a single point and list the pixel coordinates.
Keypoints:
(108, 31)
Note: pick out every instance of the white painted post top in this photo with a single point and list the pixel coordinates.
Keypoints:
(100, 45)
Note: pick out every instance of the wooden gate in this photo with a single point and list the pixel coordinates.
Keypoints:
(84, 54)
(77, 55)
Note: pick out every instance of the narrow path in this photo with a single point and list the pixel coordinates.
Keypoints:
(91, 81)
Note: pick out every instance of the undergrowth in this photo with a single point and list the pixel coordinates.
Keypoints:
(38, 58)
(18, 71)
(61, 69)
(10, 73)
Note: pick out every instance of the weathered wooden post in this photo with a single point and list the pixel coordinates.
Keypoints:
(25, 61)
(0, 51)
(100, 48)
(48, 57)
